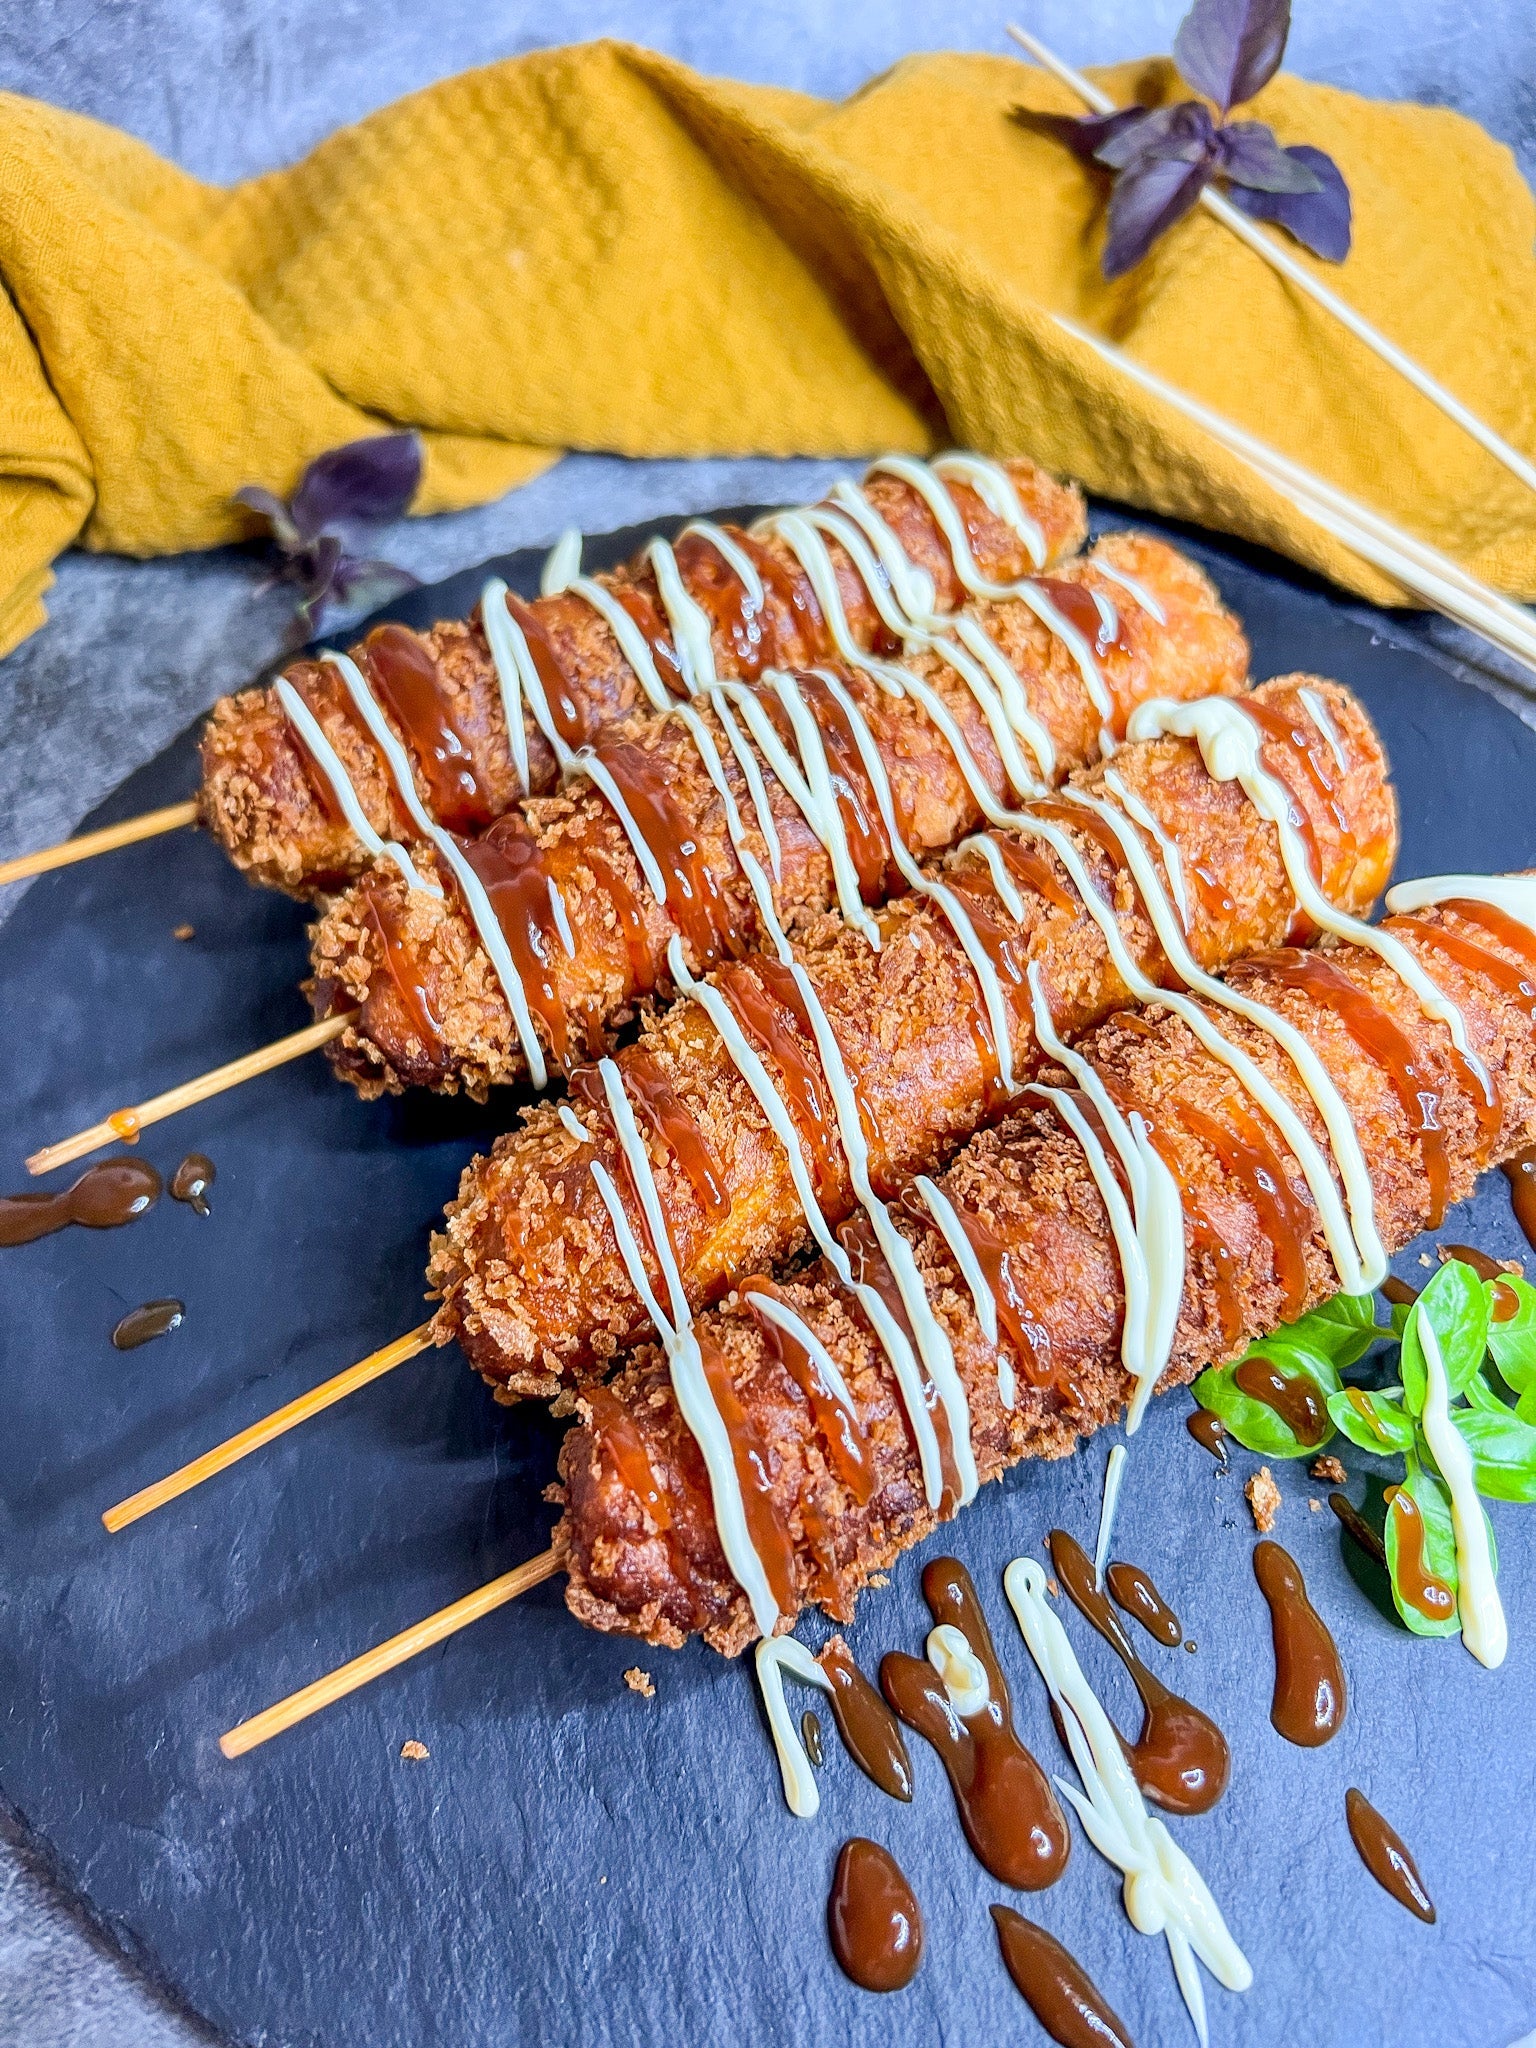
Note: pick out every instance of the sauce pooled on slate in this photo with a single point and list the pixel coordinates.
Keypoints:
(1133, 1592)
(1010, 1814)
(1386, 1857)
(153, 1319)
(1310, 1691)
(871, 1733)
(1056, 1987)
(192, 1180)
(1181, 1759)
(1208, 1431)
(873, 1918)
(112, 1192)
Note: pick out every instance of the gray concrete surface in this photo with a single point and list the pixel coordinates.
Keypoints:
(134, 650)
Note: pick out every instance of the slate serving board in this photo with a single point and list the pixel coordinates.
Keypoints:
(575, 1864)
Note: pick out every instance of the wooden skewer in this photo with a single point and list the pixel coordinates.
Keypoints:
(147, 826)
(385, 1656)
(234, 1448)
(124, 1125)
(1280, 258)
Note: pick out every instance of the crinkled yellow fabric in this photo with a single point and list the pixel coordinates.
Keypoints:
(598, 248)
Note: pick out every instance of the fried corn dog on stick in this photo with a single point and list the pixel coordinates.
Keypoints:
(840, 1491)
(586, 890)
(273, 801)
(532, 1280)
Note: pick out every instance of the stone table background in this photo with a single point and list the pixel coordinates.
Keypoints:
(134, 650)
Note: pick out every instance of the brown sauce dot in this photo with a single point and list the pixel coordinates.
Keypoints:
(152, 1319)
(873, 1918)
(192, 1180)
(1055, 1986)
(1386, 1857)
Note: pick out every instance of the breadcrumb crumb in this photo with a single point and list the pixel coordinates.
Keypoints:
(640, 1681)
(879, 1579)
(1264, 1499)
(414, 1752)
(1315, 1505)
(1328, 1467)
(1053, 1589)
(185, 931)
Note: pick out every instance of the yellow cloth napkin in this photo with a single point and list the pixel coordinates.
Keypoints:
(598, 248)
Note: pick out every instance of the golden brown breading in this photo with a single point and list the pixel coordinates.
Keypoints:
(266, 805)
(1029, 1183)
(381, 941)
(532, 1281)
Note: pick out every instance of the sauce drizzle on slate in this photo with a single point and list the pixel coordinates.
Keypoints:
(1385, 1855)
(1055, 1986)
(873, 1918)
(1311, 1695)
(112, 1192)
(152, 1319)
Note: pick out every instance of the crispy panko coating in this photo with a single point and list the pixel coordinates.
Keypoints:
(533, 1285)
(1029, 1183)
(266, 804)
(432, 1012)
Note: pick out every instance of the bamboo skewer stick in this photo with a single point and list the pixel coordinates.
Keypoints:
(124, 1125)
(281, 1420)
(447, 1621)
(148, 825)
(1419, 568)
(1280, 258)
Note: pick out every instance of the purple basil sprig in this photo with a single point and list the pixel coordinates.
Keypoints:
(366, 483)
(1164, 157)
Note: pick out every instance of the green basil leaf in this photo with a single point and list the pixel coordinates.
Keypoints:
(1341, 1331)
(1503, 1451)
(1456, 1302)
(1439, 1551)
(1480, 1393)
(1513, 1343)
(1254, 1423)
(1401, 1311)
(1372, 1421)
(1525, 1407)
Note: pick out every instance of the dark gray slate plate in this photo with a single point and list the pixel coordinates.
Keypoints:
(574, 1863)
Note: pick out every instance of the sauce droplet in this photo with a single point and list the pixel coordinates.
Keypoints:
(1398, 1292)
(192, 1180)
(1424, 1591)
(153, 1319)
(1056, 1987)
(870, 1731)
(1208, 1431)
(1011, 1817)
(1520, 1172)
(1181, 1759)
(873, 1918)
(1291, 1395)
(1134, 1593)
(112, 1192)
(1310, 1691)
(1385, 1856)
(810, 1735)
(1468, 1255)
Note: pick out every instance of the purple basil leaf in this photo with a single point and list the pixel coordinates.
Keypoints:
(315, 569)
(364, 585)
(368, 482)
(1247, 153)
(267, 505)
(1228, 49)
(1319, 220)
(1084, 134)
(1146, 201)
(1183, 134)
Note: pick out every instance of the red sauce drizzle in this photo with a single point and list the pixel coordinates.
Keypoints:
(646, 616)
(871, 1269)
(1476, 960)
(626, 911)
(1034, 870)
(512, 873)
(704, 917)
(1299, 743)
(767, 1005)
(1507, 930)
(406, 682)
(616, 1432)
(713, 584)
(871, 850)
(649, 1089)
(1075, 603)
(1381, 1040)
(570, 713)
(1284, 1218)
(848, 1448)
(765, 1525)
(400, 965)
(791, 586)
(1079, 818)
(310, 689)
(1030, 1339)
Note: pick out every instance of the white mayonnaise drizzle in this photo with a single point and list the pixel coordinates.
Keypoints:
(1139, 591)
(775, 1311)
(953, 1232)
(690, 1385)
(1163, 1892)
(1515, 895)
(1322, 718)
(776, 1655)
(517, 676)
(963, 1674)
(484, 918)
(562, 565)
(998, 492)
(1230, 743)
(1114, 1475)
(1173, 863)
(1483, 1627)
(562, 921)
(573, 1123)
(330, 765)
